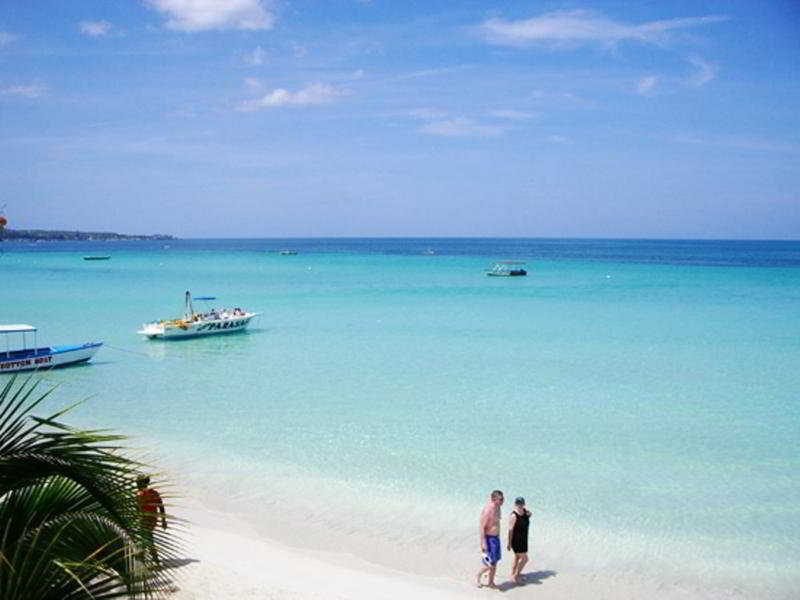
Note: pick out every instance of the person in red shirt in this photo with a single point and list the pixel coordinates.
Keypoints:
(150, 504)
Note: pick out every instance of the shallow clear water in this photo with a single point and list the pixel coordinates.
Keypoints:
(642, 395)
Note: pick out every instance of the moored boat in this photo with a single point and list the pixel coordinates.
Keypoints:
(191, 324)
(97, 257)
(36, 357)
(507, 268)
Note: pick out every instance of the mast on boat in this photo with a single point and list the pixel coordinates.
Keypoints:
(189, 309)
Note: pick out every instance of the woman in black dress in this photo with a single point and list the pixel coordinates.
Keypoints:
(518, 526)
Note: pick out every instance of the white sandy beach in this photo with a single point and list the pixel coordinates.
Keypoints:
(223, 560)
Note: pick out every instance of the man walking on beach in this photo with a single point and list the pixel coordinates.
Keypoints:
(150, 503)
(490, 537)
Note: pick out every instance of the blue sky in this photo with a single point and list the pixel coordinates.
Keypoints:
(258, 118)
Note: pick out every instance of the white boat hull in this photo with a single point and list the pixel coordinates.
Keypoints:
(45, 358)
(184, 329)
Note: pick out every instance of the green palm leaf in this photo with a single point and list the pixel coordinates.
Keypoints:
(70, 526)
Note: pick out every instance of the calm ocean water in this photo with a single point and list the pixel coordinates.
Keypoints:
(643, 395)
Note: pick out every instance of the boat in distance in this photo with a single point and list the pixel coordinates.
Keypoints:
(104, 257)
(193, 324)
(507, 268)
(44, 357)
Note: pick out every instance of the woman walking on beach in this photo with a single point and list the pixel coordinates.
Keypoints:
(518, 526)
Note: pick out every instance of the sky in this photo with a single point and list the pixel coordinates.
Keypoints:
(362, 118)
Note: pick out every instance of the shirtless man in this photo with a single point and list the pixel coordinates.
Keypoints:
(490, 537)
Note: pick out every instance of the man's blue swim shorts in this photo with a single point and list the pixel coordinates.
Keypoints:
(492, 555)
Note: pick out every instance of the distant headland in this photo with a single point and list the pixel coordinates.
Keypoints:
(46, 235)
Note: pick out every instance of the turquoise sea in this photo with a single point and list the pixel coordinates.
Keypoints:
(642, 395)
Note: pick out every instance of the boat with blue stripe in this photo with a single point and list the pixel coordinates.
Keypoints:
(40, 357)
(194, 324)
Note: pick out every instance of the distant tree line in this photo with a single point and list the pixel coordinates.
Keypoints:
(42, 234)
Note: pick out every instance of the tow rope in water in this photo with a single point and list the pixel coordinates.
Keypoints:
(126, 350)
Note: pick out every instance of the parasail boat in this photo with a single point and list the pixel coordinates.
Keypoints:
(3, 221)
(192, 324)
(25, 359)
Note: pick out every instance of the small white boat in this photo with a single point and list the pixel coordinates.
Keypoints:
(25, 359)
(216, 320)
(288, 253)
(507, 268)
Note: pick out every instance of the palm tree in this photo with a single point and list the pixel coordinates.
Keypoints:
(70, 526)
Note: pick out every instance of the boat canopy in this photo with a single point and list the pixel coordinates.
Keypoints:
(16, 328)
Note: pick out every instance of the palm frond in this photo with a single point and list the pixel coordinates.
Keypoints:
(70, 526)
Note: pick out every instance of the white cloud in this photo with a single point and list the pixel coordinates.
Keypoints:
(440, 72)
(705, 72)
(256, 57)
(578, 27)
(35, 90)
(254, 83)
(735, 141)
(186, 112)
(314, 94)
(94, 28)
(513, 115)
(548, 98)
(203, 15)
(461, 127)
(6, 38)
(646, 85)
(427, 114)
(439, 122)
(558, 139)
